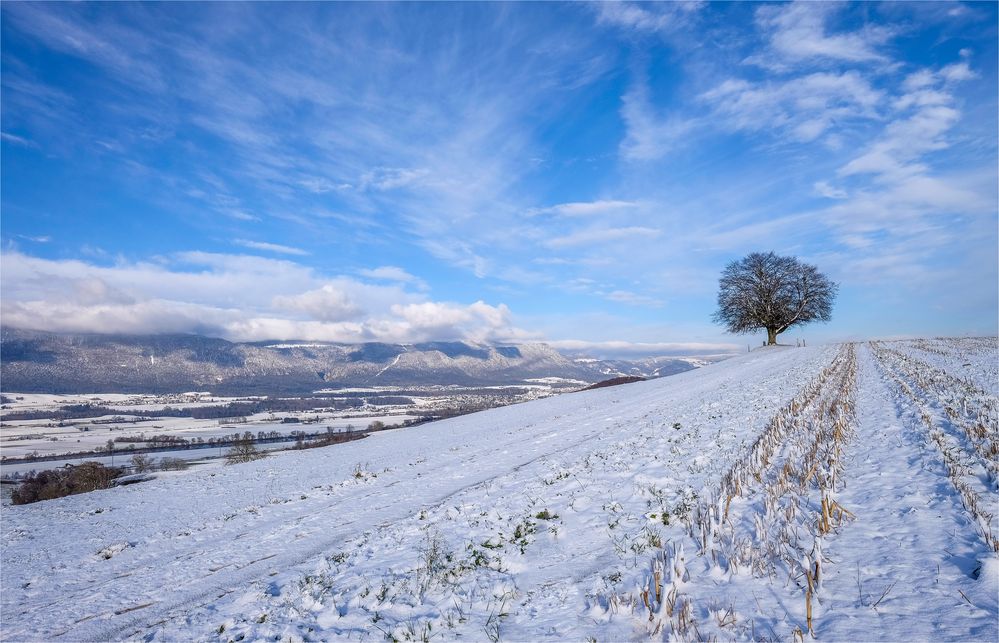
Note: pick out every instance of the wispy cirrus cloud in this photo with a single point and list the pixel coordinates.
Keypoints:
(393, 273)
(592, 236)
(902, 214)
(119, 50)
(650, 135)
(663, 17)
(15, 139)
(802, 108)
(602, 207)
(823, 189)
(337, 137)
(799, 32)
(271, 247)
(633, 299)
(923, 115)
(41, 238)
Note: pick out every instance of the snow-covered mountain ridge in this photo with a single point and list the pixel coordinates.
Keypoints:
(610, 514)
(34, 361)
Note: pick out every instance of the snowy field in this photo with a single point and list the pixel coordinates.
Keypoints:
(51, 436)
(25, 439)
(842, 493)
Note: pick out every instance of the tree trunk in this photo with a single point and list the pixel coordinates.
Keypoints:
(771, 336)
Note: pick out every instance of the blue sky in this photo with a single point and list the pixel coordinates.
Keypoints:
(578, 173)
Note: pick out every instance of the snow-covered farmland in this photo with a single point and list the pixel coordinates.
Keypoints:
(24, 440)
(50, 433)
(845, 492)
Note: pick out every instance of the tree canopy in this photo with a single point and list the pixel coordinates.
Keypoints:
(765, 290)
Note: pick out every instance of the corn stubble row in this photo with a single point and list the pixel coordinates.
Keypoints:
(962, 422)
(771, 510)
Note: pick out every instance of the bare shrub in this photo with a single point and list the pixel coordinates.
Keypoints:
(173, 464)
(56, 483)
(142, 463)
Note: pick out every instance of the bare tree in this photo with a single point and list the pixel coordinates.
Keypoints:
(142, 463)
(243, 450)
(765, 290)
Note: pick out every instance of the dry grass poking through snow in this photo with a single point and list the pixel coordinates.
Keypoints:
(766, 525)
(771, 511)
(962, 421)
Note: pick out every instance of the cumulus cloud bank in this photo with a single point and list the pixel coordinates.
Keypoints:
(238, 297)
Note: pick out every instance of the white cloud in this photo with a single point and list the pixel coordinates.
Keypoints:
(958, 72)
(433, 154)
(392, 178)
(927, 87)
(908, 206)
(919, 79)
(731, 235)
(798, 31)
(593, 236)
(664, 17)
(390, 273)
(633, 299)
(328, 303)
(904, 141)
(459, 253)
(478, 322)
(17, 140)
(822, 188)
(238, 297)
(239, 215)
(586, 208)
(121, 51)
(921, 98)
(804, 107)
(649, 135)
(150, 316)
(318, 185)
(270, 247)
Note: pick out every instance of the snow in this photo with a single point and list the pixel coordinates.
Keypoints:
(17, 443)
(556, 380)
(297, 345)
(124, 401)
(548, 520)
(923, 544)
(394, 362)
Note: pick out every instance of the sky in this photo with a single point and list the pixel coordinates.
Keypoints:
(512, 172)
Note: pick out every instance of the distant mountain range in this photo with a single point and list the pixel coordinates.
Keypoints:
(41, 362)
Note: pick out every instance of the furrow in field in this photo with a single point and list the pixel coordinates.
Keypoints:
(967, 448)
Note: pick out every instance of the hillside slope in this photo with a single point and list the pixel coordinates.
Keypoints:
(607, 513)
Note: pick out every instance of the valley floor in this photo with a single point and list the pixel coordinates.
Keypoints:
(845, 493)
